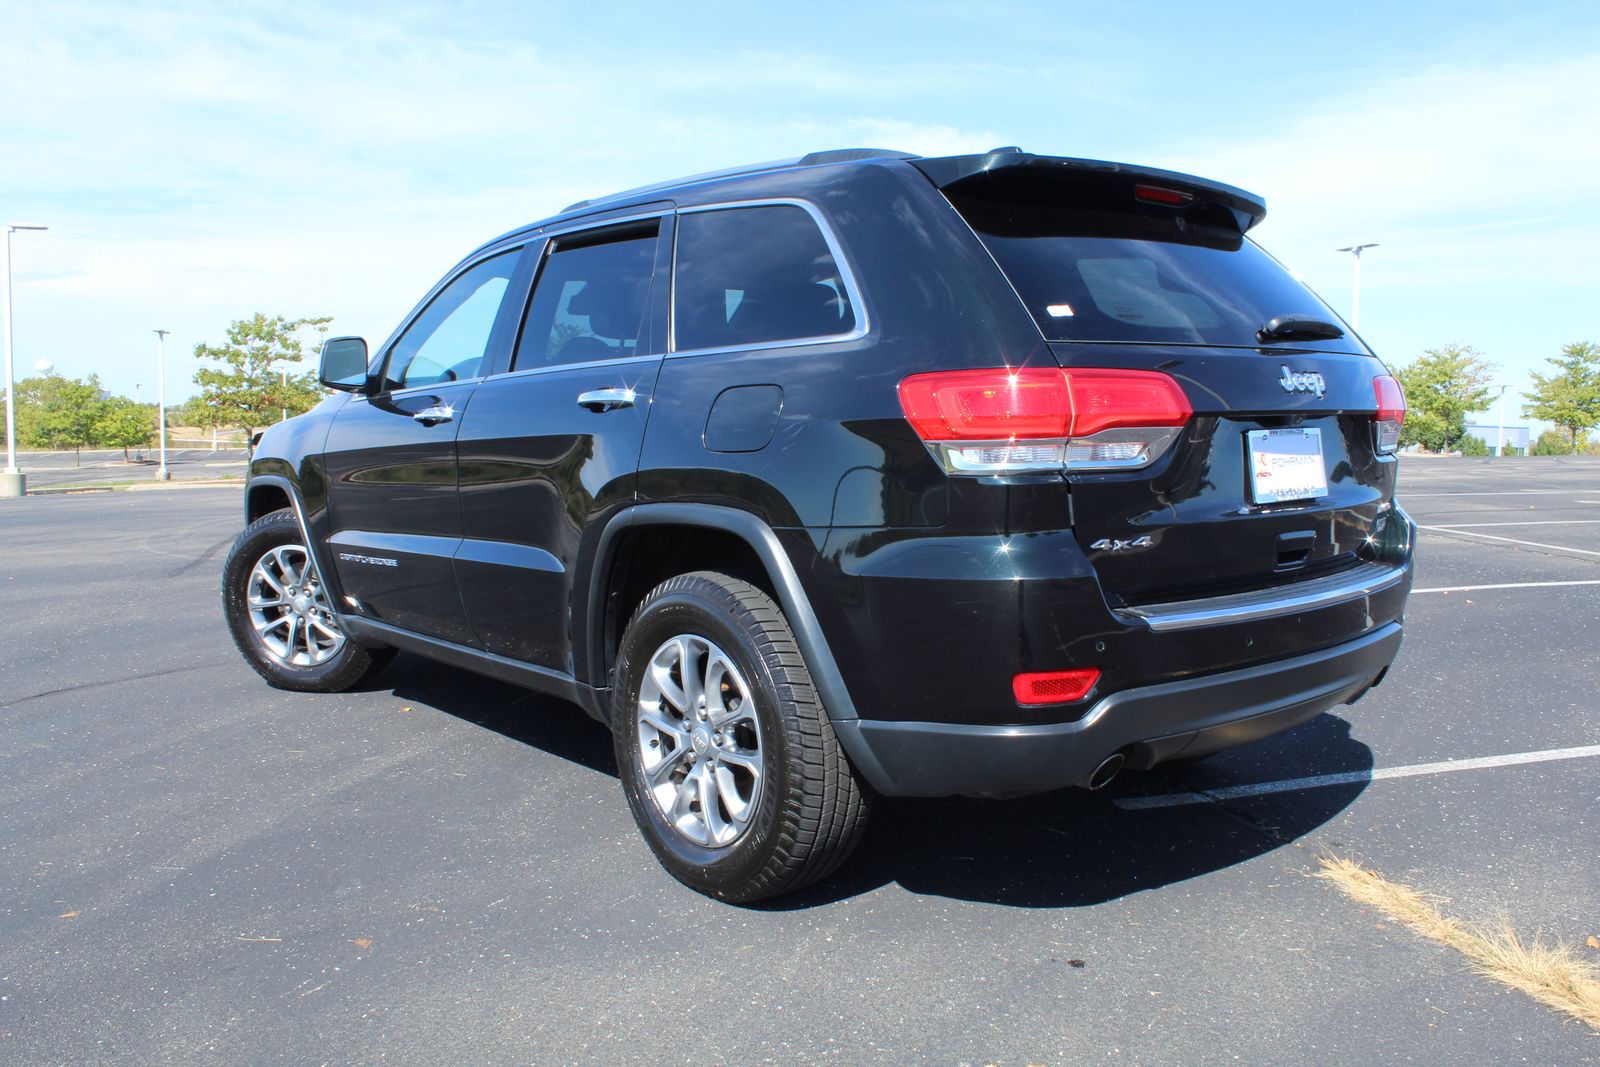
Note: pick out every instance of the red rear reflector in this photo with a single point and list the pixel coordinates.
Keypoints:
(1054, 687)
(987, 405)
(1156, 194)
(1102, 399)
(1391, 399)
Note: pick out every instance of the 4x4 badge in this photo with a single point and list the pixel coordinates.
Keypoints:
(1111, 545)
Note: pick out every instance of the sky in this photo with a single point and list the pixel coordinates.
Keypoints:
(199, 162)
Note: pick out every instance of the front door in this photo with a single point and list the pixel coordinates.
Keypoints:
(391, 456)
(552, 445)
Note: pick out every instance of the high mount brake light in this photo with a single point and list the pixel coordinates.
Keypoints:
(1003, 421)
(1391, 414)
(1158, 194)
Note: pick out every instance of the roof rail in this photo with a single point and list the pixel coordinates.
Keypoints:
(835, 155)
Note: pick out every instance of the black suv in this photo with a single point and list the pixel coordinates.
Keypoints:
(857, 474)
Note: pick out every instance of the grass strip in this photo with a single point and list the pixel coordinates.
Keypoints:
(1550, 972)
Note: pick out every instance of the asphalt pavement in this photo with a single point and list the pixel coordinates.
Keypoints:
(197, 868)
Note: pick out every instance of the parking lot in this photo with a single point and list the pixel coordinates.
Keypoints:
(108, 466)
(196, 867)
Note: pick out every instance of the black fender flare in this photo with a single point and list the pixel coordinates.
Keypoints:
(785, 582)
(318, 552)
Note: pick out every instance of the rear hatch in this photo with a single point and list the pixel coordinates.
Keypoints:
(1276, 477)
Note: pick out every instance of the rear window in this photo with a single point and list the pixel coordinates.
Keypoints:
(1148, 275)
(756, 275)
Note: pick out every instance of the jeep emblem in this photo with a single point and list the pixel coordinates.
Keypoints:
(1302, 381)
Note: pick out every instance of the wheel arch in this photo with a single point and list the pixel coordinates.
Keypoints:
(760, 549)
(266, 493)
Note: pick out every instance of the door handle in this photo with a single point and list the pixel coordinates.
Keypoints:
(607, 399)
(430, 416)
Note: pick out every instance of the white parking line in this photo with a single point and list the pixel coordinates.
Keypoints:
(1403, 495)
(1531, 522)
(1502, 585)
(1509, 540)
(1294, 785)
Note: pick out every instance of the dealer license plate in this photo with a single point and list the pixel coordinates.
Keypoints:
(1285, 465)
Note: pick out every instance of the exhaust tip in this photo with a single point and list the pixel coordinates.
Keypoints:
(1101, 776)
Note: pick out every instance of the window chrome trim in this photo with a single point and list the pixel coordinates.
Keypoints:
(847, 278)
(593, 364)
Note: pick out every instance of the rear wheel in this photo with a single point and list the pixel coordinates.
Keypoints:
(280, 616)
(727, 757)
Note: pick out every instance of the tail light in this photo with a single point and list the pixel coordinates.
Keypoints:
(1391, 412)
(1044, 419)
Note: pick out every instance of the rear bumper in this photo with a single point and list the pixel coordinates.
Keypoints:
(1189, 717)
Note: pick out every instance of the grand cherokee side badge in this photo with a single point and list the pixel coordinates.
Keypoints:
(1112, 545)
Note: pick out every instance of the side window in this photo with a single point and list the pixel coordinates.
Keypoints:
(448, 341)
(753, 275)
(590, 301)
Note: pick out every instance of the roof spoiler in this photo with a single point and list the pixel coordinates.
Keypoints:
(946, 171)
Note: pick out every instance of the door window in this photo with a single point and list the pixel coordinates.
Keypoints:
(756, 275)
(448, 341)
(591, 300)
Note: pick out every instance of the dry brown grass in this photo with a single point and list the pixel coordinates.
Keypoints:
(1549, 972)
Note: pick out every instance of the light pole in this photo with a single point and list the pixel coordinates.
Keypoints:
(12, 481)
(1355, 287)
(283, 394)
(162, 474)
(1500, 442)
(138, 450)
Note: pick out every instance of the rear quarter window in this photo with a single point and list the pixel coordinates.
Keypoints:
(756, 275)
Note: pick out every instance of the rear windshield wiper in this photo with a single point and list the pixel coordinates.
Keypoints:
(1298, 328)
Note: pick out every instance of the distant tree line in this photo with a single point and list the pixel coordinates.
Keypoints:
(248, 385)
(73, 413)
(1446, 384)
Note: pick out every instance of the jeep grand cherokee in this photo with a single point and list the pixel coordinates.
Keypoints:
(859, 474)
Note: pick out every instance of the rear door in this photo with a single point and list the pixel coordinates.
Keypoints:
(391, 457)
(551, 445)
(1277, 477)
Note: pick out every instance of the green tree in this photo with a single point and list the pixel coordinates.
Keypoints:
(1570, 398)
(121, 423)
(61, 412)
(1551, 443)
(1443, 385)
(249, 387)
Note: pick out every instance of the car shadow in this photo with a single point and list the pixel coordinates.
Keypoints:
(1069, 848)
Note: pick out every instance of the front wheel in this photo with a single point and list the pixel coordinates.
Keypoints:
(728, 759)
(280, 615)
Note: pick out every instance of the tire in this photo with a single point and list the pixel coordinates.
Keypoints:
(763, 836)
(291, 637)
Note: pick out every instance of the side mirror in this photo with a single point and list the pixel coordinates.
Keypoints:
(344, 364)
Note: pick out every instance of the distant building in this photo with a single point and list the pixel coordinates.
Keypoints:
(1517, 438)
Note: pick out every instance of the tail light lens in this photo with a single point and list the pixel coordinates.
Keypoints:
(1391, 412)
(1015, 421)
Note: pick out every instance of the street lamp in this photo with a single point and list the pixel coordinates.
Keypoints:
(1500, 442)
(12, 481)
(1355, 288)
(163, 474)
